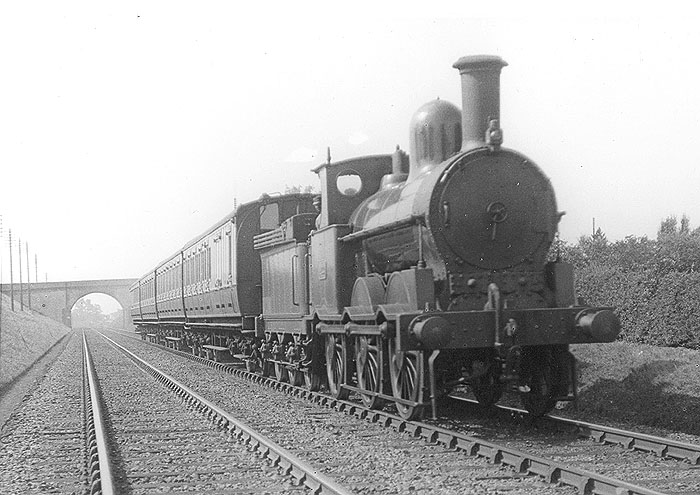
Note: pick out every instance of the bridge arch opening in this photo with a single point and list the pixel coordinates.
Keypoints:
(97, 310)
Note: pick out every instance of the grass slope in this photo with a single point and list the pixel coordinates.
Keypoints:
(25, 337)
(639, 384)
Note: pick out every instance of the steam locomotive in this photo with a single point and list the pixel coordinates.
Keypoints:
(415, 274)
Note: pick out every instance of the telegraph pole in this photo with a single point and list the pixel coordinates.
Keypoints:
(21, 290)
(12, 281)
(29, 277)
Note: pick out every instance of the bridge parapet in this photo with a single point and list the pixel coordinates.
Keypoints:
(56, 299)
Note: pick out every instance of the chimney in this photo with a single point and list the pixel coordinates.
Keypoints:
(480, 98)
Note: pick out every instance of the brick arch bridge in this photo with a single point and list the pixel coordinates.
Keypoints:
(56, 299)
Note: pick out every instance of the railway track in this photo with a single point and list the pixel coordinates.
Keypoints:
(659, 446)
(152, 440)
(366, 458)
(554, 463)
(99, 459)
(42, 445)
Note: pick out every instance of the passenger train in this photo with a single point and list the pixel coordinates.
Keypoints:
(409, 275)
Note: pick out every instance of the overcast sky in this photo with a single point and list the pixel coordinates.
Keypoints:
(127, 128)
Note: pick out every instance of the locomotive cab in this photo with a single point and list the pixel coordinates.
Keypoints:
(344, 186)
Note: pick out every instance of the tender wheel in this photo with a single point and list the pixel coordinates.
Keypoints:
(540, 378)
(336, 366)
(251, 365)
(369, 361)
(312, 381)
(296, 378)
(407, 372)
(266, 368)
(281, 373)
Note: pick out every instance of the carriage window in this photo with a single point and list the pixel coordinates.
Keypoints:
(269, 216)
(207, 272)
(229, 236)
(349, 183)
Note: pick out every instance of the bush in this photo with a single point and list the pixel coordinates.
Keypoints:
(674, 317)
(629, 292)
(653, 284)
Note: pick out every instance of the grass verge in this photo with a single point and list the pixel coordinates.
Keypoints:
(639, 384)
(24, 337)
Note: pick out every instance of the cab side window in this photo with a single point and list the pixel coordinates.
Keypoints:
(269, 216)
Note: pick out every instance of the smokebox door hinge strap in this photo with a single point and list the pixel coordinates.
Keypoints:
(494, 303)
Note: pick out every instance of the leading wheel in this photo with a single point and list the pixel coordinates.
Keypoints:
(407, 373)
(265, 368)
(369, 361)
(296, 377)
(336, 366)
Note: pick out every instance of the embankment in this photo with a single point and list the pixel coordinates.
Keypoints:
(24, 337)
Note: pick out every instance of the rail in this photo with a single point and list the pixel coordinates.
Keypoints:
(279, 456)
(100, 471)
(663, 447)
(587, 482)
(631, 440)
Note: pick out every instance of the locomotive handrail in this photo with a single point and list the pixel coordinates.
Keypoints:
(294, 297)
(381, 229)
(307, 281)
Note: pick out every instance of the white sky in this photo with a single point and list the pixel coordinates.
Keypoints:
(127, 128)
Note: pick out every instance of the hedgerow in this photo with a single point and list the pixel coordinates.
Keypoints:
(653, 284)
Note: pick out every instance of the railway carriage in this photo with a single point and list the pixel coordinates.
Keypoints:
(211, 287)
(419, 272)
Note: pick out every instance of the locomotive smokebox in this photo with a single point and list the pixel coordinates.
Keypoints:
(481, 94)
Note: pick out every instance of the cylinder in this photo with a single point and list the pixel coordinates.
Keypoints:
(481, 94)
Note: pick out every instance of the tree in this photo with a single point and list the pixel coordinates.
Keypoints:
(85, 314)
(116, 319)
(593, 249)
(678, 248)
(685, 226)
(300, 189)
(668, 227)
